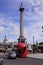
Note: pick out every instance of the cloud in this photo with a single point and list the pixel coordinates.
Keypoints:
(14, 28)
(34, 2)
(33, 17)
(34, 21)
(35, 29)
(1, 29)
(8, 28)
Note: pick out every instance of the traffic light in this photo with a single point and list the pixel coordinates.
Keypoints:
(42, 30)
(42, 27)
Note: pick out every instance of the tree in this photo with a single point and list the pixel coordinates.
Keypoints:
(41, 43)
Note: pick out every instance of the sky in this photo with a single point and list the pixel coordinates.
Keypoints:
(32, 20)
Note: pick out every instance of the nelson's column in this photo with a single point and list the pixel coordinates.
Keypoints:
(21, 37)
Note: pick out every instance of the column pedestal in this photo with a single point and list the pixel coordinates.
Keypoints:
(21, 39)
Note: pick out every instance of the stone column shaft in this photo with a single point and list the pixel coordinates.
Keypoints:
(21, 23)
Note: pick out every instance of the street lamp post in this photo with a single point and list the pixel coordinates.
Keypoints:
(33, 39)
(33, 45)
(42, 30)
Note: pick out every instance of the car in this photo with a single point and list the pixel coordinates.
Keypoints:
(11, 55)
(1, 61)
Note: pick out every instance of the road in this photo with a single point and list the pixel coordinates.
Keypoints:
(22, 61)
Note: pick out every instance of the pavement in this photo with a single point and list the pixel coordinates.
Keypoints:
(36, 55)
